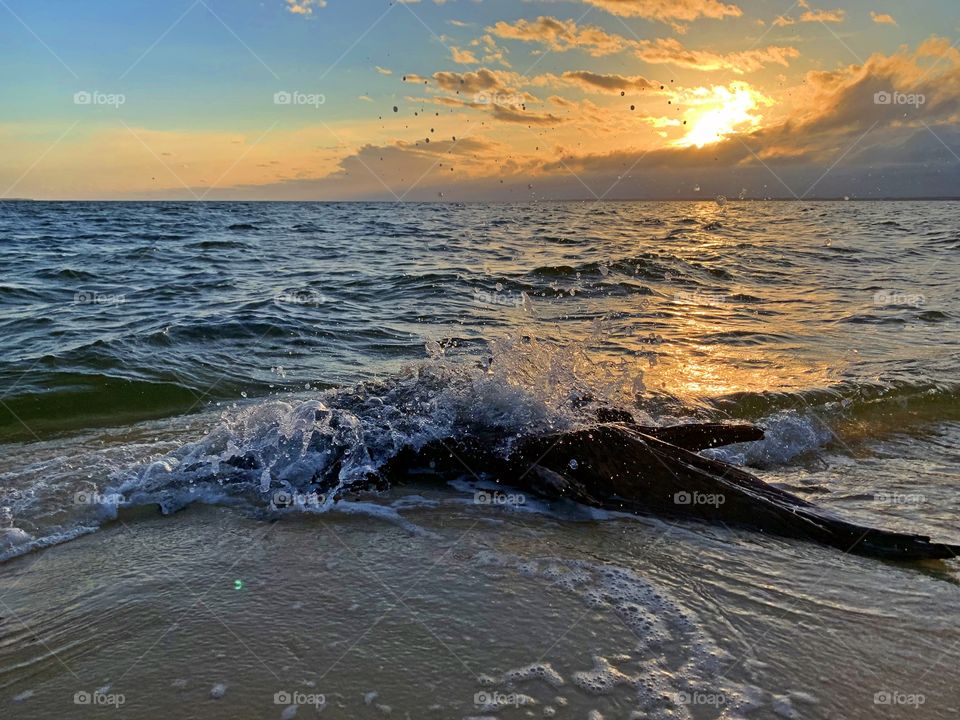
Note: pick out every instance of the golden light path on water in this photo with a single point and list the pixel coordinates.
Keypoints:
(697, 343)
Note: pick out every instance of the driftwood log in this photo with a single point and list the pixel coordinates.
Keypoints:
(656, 471)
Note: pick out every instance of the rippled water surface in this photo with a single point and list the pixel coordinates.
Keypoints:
(146, 350)
(147, 310)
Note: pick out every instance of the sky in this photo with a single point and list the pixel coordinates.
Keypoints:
(478, 99)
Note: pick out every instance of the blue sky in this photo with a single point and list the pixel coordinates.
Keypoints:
(198, 118)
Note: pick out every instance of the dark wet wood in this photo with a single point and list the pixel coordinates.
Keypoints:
(656, 471)
(704, 437)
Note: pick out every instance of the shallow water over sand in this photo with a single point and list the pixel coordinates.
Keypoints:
(164, 610)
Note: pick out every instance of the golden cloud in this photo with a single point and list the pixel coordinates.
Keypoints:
(668, 10)
(560, 35)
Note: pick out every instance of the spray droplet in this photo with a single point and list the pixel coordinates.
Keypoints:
(434, 349)
(527, 305)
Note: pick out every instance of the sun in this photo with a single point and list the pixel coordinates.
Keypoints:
(719, 111)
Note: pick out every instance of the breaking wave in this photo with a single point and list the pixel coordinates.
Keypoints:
(310, 452)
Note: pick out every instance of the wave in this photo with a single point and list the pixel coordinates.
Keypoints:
(305, 453)
(925, 400)
(62, 402)
(218, 245)
(651, 266)
(15, 542)
(17, 293)
(323, 448)
(309, 452)
(800, 422)
(67, 274)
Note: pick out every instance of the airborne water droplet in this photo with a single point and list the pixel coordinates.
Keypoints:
(527, 305)
(434, 349)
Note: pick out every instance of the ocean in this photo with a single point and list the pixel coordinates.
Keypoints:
(175, 377)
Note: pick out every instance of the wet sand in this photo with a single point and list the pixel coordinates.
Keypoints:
(213, 614)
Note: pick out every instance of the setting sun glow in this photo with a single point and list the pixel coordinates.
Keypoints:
(719, 111)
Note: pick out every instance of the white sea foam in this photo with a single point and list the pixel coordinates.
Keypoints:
(788, 435)
(536, 671)
(23, 696)
(27, 543)
(674, 664)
